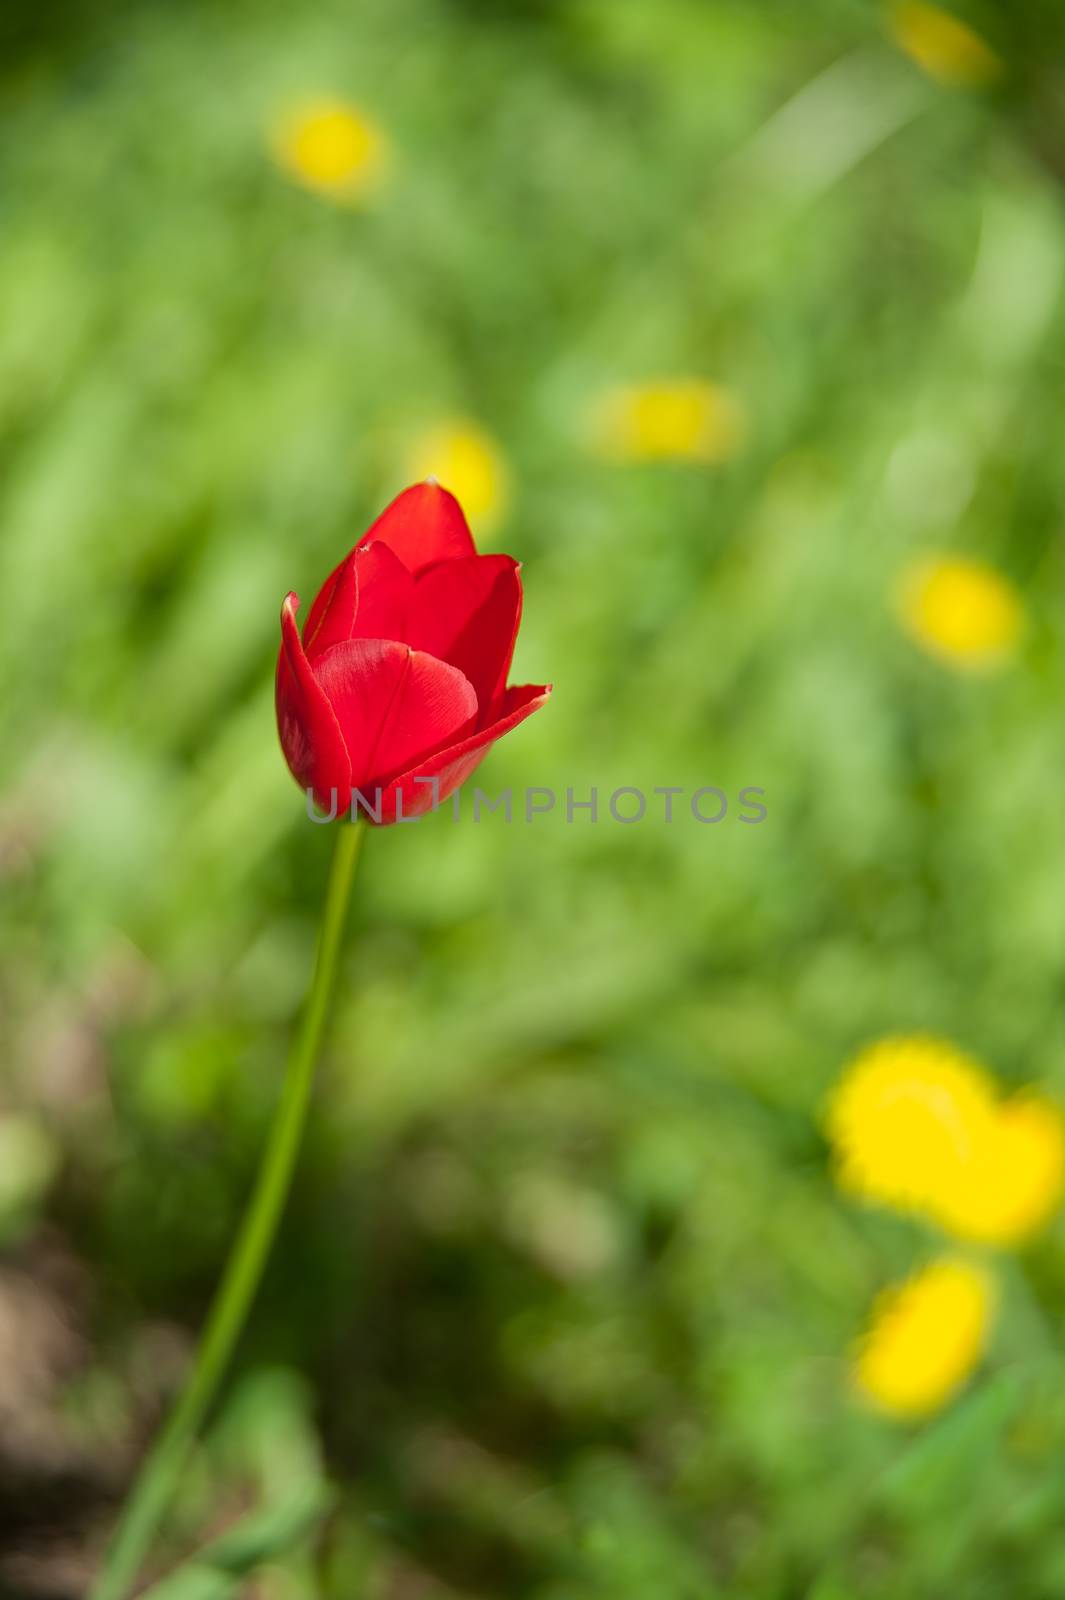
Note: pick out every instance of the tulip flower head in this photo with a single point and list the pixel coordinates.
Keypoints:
(397, 688)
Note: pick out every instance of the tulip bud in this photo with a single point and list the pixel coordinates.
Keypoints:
(397, 688)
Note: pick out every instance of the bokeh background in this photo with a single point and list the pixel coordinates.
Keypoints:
(727, 318)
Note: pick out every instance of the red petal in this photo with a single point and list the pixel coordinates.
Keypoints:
(385, 592)
(332, 612)
(367, 597)
(394, 705)
(423, 524)
(467, 612)
(452, 765)
(310, 735)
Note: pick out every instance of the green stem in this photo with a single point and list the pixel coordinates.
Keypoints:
(155, 1484)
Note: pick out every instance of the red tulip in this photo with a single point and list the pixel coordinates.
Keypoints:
(401, 672)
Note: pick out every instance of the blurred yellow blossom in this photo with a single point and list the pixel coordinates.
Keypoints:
(681, 419)
(332, 147)
(1015, 1181)
(906, 1111)
(943, 46)
(466, 461)
(960, 610)
(925, 1338)
(917, 1125)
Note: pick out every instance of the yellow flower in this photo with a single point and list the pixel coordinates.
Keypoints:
(331, 147)
(906, 1112)
(1015, 1181)
(682, 419)
(943, 46)
(960, 610)
(925, 1338)
(917, 1125)
(466, 461)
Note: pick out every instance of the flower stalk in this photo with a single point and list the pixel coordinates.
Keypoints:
(154, 1486)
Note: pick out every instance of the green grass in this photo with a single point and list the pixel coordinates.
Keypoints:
(564, 1298)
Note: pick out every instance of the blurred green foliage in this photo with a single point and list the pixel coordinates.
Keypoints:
(564, 1275)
